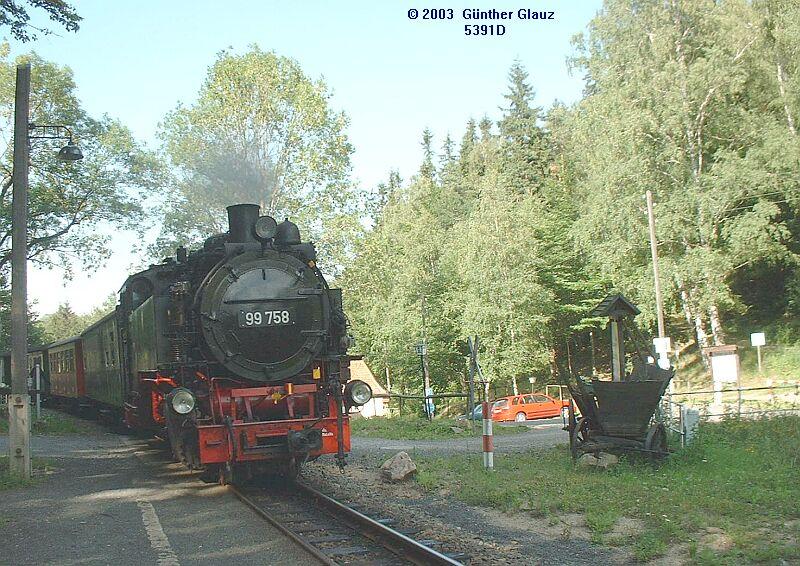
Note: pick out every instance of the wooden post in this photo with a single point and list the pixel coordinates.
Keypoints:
(651, 220)
(617, 351)
(19, 406)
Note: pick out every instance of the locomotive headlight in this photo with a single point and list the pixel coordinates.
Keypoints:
(183, 401)
(357, 392)
(265, 227)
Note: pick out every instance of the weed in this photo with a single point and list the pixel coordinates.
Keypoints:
(648, 546)
(417, 428)
(7, 481)
(54, 423)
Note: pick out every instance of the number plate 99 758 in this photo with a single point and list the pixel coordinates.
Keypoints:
(264, 318)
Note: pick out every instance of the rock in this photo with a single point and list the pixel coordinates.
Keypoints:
(399, 467)
(456, 429)
(602, 460)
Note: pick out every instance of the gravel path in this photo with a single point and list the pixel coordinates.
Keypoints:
(542, 434)
(486, 536)
(114, 499)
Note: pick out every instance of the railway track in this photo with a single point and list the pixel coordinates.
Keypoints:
(335, 533)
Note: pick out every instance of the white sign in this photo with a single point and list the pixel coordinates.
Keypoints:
(530, 380)
(758, 339)
(662, 345)
(725, 368)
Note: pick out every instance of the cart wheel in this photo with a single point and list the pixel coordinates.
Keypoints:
(578, 436)
(571, 420)
(656, 442)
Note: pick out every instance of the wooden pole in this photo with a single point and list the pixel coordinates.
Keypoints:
(617, 351)
(19, 409)
(651, 220)
(473, 353)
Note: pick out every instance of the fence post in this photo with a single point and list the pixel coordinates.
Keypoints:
(488, 440)
(739, 403)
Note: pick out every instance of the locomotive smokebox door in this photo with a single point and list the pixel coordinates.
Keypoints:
(265, 315)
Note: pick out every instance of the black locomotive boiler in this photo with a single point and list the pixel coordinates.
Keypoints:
(238, 351)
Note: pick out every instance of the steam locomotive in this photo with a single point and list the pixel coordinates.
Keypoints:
(236, 352)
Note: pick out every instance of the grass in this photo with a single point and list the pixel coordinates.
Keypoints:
(417, 428)
(53, 423)
(7, 481)
(739, 476)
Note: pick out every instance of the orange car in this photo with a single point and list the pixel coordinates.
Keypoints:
(521, 408)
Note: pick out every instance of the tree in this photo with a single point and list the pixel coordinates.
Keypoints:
(71, 203)
(65, 322)
(687, 108)
(36, 332)
(260, 131)
(14, 13)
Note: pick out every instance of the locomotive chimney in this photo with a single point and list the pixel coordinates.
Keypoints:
(241, 220)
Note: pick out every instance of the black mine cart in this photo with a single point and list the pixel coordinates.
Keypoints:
(618, 414)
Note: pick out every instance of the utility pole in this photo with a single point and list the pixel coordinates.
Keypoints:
(473, 367)
(651, 219)
(19, 433)
(426, 377)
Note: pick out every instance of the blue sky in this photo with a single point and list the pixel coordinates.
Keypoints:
(135, 60)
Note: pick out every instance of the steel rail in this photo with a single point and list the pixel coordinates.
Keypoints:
(297, 539)
(395, 541)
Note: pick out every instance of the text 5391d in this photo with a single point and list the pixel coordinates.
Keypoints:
(484, 29)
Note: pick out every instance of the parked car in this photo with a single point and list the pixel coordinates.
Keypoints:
(520, 408)
(476, 415)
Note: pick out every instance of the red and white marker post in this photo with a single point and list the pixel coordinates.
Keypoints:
(488, 439)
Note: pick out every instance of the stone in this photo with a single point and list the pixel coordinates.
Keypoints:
(399, 467)
(457, 430)
(601, 460)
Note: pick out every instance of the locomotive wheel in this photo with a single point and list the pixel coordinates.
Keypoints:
(226, 474)
(210, 474)
(578, 436)
(656, 442)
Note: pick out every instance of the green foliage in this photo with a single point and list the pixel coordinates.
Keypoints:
(64, 322)
(71, 204)
(479, 246)
(14, 14)
(690, 106)
(739, 476)
(259, 132)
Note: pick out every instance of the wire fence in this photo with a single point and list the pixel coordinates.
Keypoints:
(682, 411)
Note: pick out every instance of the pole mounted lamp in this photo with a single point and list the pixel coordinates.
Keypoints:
(70, 152)
(19, 432)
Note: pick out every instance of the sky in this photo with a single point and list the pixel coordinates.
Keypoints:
(392, 75)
